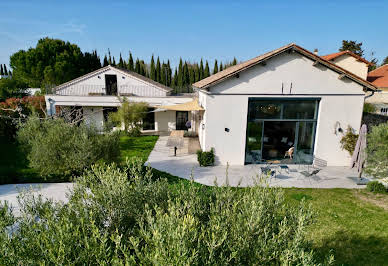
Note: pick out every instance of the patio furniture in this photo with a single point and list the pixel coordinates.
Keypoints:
(268, 171)
(284, 168)
(315, 168)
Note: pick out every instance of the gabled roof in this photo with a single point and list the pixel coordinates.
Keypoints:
(234, 70)
(379, 76)
(330, 57)
(122, 70)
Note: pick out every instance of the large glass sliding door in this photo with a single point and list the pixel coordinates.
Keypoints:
(281, 130)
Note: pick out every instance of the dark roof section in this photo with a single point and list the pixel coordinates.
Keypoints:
(233, 70)
(103, 69)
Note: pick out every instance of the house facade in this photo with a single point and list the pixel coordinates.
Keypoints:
(288, 98)
(100, 92)
(379, 78)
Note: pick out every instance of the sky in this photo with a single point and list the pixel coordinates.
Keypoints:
(194, 29)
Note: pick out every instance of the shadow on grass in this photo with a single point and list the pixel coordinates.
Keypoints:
(351, 248)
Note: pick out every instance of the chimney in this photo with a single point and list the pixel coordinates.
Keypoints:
(316, 51)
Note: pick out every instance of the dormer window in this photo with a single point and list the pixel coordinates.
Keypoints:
(111, 84)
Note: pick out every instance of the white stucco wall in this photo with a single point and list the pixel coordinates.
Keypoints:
(353, 65)
(93, 116)
(125, 84)
(227, 104)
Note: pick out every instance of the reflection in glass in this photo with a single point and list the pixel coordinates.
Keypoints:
(253, 146)
(304, 151)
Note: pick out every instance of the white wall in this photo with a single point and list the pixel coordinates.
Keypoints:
(94, 116)
(227, 104)
(353, 65)
(125, 83)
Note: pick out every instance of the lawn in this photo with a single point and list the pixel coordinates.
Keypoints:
(350, 223)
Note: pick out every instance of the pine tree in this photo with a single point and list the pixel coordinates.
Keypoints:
(121, 62)
(221, 67)
(201, 71)
(158, 70)
(130, 62)
(207, 70)
(1, 70)
(215, 68)
(152, 69)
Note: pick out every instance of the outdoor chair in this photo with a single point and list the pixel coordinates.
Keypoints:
(268, 171)
(315, 168)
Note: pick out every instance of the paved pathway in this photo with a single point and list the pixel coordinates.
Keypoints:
(55, 191)
(185, 166)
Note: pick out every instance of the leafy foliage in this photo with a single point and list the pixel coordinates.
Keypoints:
(130, 114)
(352, 46)
(10, 88)
(349, 140)
(124, 216)
(377, 151)
(369, 108)
(58, 148)
(205, 158)
(52, 62)
(376, 186)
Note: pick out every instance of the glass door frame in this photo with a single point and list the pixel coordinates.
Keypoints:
(263, 120)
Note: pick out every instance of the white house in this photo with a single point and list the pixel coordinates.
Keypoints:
(257, 110)
(99, 93)
(379, 78)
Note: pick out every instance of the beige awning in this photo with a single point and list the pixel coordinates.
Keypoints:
(189, 106)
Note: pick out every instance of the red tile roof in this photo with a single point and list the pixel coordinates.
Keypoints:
(336, 55)
(379, 77)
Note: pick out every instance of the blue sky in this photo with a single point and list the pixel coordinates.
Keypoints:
(194, 29)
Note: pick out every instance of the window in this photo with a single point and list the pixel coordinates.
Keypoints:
(111, 84)
(149, 120)
(384, 111)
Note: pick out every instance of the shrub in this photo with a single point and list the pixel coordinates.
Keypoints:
(376, 186)
(123, 216)
(369, 108)
(54, 147)
(349, 140)
(377, 151)
(205, 158)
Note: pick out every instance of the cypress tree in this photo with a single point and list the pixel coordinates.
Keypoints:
(158, 70)
(197, 74)
(207, 70)
(114, 61)
(109, 57)
(180, 75)
(121, 62)
(5, 70)
(130, 62)
(1, 70)
(186, 75)
(152, 69)
(137, 67)
(169, 73)
(201, 71)
(192, 74)
(174, 81)
(163, 74)
(234, 61)
(105, 61)
(215, 68)
(221, 67)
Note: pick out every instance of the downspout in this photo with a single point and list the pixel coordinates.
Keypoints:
(368, 96)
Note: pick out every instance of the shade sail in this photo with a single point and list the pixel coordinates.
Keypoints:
(189, 106)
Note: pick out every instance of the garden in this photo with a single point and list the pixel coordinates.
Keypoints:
(121, 212)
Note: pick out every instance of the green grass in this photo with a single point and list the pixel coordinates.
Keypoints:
(140, 147)
(350, 222)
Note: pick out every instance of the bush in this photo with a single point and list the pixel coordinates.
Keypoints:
(376, 186)
(205, 158)
(54, 147)
(377, 151)
(349, 141)
(369, 108)
(124, 216)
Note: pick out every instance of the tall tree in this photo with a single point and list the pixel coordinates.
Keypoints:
(201, 70)
(137, 66)
(5, 70)
(221, 67)
(169, 73)
(130, 62)
(121, 62)
(158, 70)
(1, 70)
(152, 69)
(109, 58)
(207, 70)
(234, 62)
(215, 68)
(105, 61)
(114, 61)
(352, 46)
(385, 61)
(180, 74)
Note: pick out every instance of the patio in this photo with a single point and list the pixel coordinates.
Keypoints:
(186, 166)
